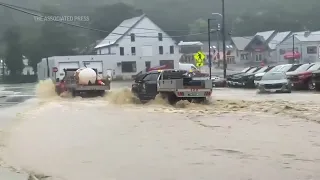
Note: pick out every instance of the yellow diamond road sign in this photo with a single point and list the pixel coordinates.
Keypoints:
(199, 58)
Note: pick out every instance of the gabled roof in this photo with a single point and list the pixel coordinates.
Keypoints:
(263, 36)
(315, 33)
(266, 34)
(241, 42)
(311, 38)
(278, 38)
(120, 31)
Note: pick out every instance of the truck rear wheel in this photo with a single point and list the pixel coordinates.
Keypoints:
(74, 93)
(58, 90)
(317, 86)
(172, 98)
(102, 93)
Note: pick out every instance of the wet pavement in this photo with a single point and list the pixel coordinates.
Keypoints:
(239, 135)
(14, 94)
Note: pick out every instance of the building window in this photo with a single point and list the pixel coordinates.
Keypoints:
(133, 51)
(160, 49)
(244, 57)
(312, 49)
(133, 38)
(121, 51)
(171, 49)
(128, 66)
(160, 36)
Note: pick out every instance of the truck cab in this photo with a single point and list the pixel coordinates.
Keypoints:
(145, 85)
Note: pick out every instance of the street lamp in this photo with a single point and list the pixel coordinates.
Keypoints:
(223, 39)
(217, 14)
(218, 37)
(209, 44)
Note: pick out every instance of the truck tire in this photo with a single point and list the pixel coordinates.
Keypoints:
(102, 93)
(317, 86)
(172, 98)
(74, 93)
(58, 91)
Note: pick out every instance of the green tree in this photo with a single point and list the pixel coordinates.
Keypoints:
(108, 17)
(13, 53)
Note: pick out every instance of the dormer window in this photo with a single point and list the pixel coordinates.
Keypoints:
(160, 36)
(133, 38)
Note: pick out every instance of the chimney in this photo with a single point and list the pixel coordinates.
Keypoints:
(307, 33)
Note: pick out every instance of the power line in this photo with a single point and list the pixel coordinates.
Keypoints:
(25, 10)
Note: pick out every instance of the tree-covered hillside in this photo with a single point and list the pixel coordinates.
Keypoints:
(177, 17)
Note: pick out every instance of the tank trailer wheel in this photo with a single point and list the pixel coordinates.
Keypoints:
(102, 93)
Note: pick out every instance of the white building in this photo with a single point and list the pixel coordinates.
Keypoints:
(306, 45)
(137, 44)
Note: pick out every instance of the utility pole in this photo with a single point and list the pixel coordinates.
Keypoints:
(293, 48)
(2, 63)
(209, 39)
(218, 44)
(224, 41)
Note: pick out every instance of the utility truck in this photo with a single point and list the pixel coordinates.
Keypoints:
(82, 82)
(173, 85)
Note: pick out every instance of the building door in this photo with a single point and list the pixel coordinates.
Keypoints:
(169, 63)
(258, 57)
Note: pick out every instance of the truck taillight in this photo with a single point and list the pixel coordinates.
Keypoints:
(180, 93)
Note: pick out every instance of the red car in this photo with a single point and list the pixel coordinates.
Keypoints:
(301, 78)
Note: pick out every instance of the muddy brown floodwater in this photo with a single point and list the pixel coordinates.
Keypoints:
(239, 136)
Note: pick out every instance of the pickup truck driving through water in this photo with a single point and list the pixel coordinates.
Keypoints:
(173, 85)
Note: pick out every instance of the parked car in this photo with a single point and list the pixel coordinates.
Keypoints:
(274, 82)
(316, 80)
(247, 80)
(218, 81)
(279, 68)
(245, 70)
(301, 78)
(232, 81)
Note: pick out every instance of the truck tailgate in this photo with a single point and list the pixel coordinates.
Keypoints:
(193, 92)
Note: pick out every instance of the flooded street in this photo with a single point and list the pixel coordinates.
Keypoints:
(239, 135)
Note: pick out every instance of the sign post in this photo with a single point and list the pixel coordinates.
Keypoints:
(199, 58)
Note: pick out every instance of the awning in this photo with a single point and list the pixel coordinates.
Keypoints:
(291, 55)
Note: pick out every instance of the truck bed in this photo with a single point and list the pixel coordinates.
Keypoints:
(71, 83)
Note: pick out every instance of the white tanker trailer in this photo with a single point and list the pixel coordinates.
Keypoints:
(83, 81)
